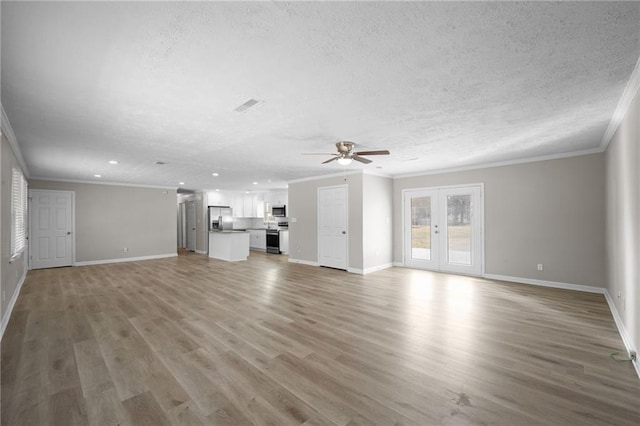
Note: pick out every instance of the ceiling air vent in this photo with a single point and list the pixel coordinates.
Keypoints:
(245, 106)
(160, 163)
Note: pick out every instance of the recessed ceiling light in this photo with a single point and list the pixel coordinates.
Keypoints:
(97, 175)
(246, 192)
(217, 189)
(215, 174)
(255, 183)
(181, 183)
(113, 162)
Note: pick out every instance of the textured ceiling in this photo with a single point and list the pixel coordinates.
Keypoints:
(440, 85)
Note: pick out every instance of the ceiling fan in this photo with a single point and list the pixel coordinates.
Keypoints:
(346, 154)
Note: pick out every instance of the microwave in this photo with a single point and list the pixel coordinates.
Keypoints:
(279, 211)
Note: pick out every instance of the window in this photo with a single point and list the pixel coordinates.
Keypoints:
(18, 212)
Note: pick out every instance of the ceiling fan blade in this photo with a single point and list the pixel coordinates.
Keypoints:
(380, 152)
(360, 159)
(330, 160)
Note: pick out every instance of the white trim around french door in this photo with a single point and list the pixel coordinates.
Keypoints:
(443, 229)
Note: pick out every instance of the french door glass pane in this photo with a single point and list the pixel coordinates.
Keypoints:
(459, 229)
(421, 228)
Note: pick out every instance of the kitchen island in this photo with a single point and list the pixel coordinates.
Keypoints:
(232, 245)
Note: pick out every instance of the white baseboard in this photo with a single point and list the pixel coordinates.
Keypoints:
(377, 268)
(7, 314)
(622, 330)
(125, 259)
(542, 283)
(355, 271)
(202, 252)
(303, 262)
(398, 264)
(626, 340)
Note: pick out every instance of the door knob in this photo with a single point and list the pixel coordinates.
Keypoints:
(344, 232)
(68, 232)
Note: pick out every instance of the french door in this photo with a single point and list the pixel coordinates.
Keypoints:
(443, 229)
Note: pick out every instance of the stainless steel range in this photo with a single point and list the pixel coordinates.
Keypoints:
(273, 241)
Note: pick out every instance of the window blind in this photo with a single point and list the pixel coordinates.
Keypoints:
(18, 212)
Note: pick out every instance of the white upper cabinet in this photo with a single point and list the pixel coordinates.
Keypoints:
(238, 205)
(246, 205)
(276, 198)
(216, 199)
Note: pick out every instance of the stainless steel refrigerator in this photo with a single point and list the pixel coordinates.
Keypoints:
(220, 218)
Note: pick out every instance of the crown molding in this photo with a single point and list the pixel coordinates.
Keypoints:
(629, 93)
(320, 177)
(502, 163)
(7, 130)
(91, 182)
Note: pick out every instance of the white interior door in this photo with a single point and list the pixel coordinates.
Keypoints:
(51, 240)
(191, 225)
(443, 229)
(332, 227)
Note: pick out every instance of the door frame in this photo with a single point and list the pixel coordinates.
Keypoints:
(195, 225)
(481, 214)
(346, 213)
(31, 219)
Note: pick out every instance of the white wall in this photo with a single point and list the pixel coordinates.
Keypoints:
(303, 206)
(623, 222)
(549, 212)
(111, 217)
(13, 273)
(377, 200)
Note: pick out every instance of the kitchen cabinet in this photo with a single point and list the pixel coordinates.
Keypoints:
(276, 198)
(258, 239)
(248, 203)
(243, 205)
(238, 205)
(231, 246)
(284, 242)
(218, 199)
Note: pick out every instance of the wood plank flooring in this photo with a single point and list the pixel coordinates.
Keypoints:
(195, 341)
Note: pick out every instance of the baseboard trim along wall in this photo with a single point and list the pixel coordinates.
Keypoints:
(370, 270)
(125, 259)
(303, 262)
(577, 287)
(12, 302)
(399, 264)
(542, 283)
(202, 252)
(622, 330)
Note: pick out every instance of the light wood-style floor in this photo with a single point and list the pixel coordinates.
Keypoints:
(192, 341)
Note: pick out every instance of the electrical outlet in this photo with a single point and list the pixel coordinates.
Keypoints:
(126, 249)
(632, 355)
(540, 268)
